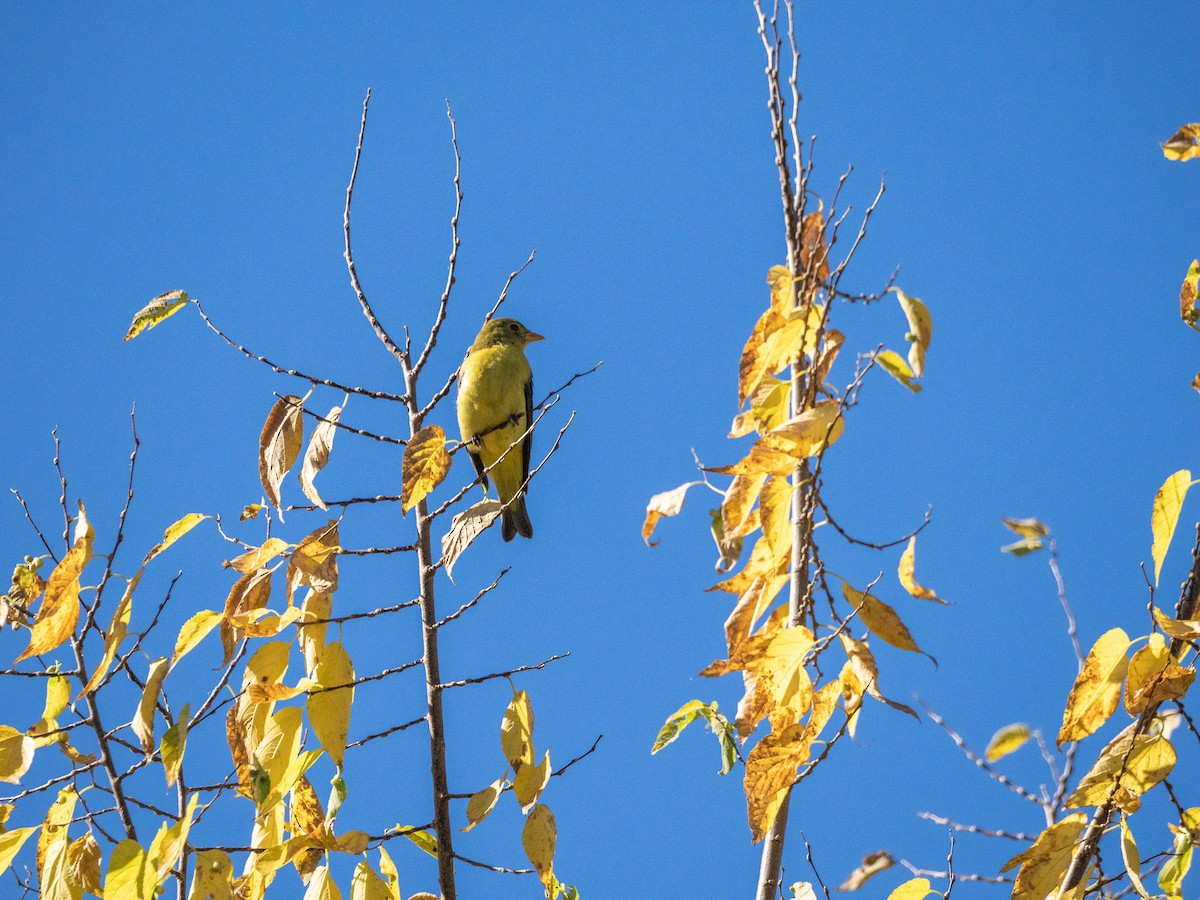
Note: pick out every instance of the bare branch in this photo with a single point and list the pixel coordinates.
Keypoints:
(36, 530)
(506, 674)
(975, 829)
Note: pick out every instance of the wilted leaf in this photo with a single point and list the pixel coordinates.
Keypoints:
(194, 630)
(1154, 678)
(872, 864)
(174, 533)
(1007, 740)
(783, 448)
(530, 781)
(882, 620)
(866, 673)
(664, 505)
(250, 511)
(736, 508)
(1045, 862)
(907, 574)
(464, 528)
(143, 721)
(1141, 762)
(750, 607)
(1188, 294)
(483, 802)
(1180, 629)
(279, 445)
(329, 703)
(425, 465)
(1170, 876)
(814, 252)
(83, 864)
(157, 310)
(803, 890)
(1183, 144)
(729, 550)
(920, 329)
(893, 363)
(538, 837)
(317, 453)
(717, 724)
(771, 766)
(59, 611)
(1167, 504)
(257, 557)
(516, 731)
(16, 754)
(1097, 689)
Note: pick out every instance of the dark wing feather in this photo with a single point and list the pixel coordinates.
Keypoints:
(478, 463)
(527, 446)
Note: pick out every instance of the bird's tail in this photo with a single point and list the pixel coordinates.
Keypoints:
(515, 520)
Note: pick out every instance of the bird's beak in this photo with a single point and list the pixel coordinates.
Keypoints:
(531, 336)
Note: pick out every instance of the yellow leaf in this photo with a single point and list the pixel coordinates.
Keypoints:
(1167, 504)
(1045, 862)
(83, 864)
(54, 879)
(117, 630)
(194, 630)
(143, 721)
(317, 453)
(212, 877)
(1188, 294)
(774, 507)
(250, 592)
(1097, 689)
(1131, 858)
(174, 743)
(750, 607)
(729, 549)
(464, 528)
(425, 465)
(773, 672)
(422, 839)
(329, 703)
(1180, 629)
(769, 402)
(1026, 528)
(664, 505)
(866, 673)
(279, 445)
(59, 611)
(814, 252)
(11, 843)
(16, 754)
(169, 843)
(257, 557)
(157, 310)
(174, 533)
(1140, 763)
(322, 887)
(275, 756)
(530, 781)
(1154, 678)
(913, 889)
(54, 826)
(907, 574)
(250, 511)
(484, 801)
(1007, 740)
(893, 363)
(128, 873)
(1183, 144)
(740, 497)
(314, 561)
(366, 885)
(388, 869)
(516, 731)
(771, 766)
(920, 329)
(538, 837)
(316, 608)
(882, 620)
(780, 450)
(871, 865)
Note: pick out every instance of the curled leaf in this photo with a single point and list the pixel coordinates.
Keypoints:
(1183, 144)
(316, 455)
(920, 329)
(279, 445)
(664, 505)
(156, 311)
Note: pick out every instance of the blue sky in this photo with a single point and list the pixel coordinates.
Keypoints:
(148, 147)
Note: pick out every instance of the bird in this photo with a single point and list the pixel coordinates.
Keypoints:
(495, 409)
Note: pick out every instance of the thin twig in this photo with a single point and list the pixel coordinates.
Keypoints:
(506, 674)
(36, 530)
(975, 829)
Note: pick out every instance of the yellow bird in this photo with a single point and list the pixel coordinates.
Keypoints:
(495, 408)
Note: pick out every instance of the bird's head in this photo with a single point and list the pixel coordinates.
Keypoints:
(506, 332)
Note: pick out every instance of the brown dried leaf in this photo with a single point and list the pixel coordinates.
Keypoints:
(736, 508)
(1183, 144)
(872, 864)
(1154, 677)
(314, 561)
(279, 445)
(664, 505)
(464, 528)
(814, 252)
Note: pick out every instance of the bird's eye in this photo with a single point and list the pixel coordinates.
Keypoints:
(515, 327)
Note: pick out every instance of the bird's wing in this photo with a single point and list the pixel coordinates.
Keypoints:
(527, 445)
(479, 467)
